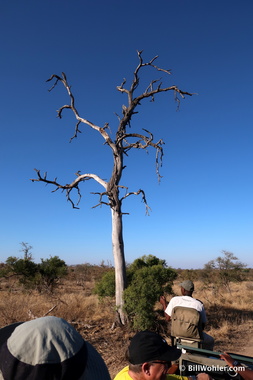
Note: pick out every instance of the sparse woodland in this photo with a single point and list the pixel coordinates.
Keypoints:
(230, 311)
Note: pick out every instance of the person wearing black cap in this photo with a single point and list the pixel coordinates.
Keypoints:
(186, 300)
(48, 348)
(150, 358)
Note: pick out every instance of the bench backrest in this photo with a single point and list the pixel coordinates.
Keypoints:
(186, 323)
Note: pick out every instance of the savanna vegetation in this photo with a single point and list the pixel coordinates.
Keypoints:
(84, 296)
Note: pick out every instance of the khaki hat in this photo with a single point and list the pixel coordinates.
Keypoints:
(48, 348)
(187, 285)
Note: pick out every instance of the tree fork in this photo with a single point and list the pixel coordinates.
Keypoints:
(120, 147)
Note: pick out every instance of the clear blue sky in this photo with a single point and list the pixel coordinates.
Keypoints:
(204, 203)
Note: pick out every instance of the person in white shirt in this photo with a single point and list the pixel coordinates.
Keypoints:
(186, 300)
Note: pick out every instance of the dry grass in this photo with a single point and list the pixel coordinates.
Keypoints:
(230, 314)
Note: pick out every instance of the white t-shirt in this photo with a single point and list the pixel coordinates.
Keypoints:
(186, 301)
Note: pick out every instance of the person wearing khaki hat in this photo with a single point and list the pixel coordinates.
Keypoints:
(187, 285)
(186, 300)
(150, 358)
(48, 348)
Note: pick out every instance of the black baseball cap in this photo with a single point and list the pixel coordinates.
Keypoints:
(147, 346)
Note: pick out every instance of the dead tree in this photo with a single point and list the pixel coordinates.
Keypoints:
(120, 146)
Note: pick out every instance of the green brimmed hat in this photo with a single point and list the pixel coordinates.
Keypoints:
(48, 348)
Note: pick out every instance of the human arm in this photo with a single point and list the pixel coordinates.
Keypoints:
(200, 376)
(245, 373)
(164, 305)
(228, 359)
(203, 316)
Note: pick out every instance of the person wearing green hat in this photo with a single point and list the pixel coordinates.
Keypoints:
(48, 348)
(186, 300)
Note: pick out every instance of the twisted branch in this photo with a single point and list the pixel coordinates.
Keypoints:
(122, 144)
(69, 187)
(140, 191)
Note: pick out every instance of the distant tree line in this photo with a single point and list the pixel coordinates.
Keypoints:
(148, 277)
(42, 277)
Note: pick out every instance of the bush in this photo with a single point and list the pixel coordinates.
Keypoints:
(25, 269)
(50, 271)
(43, 276)
(150, 278)
(223, 270)
(147, 277)
(106, 286)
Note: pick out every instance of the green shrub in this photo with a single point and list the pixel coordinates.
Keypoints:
(24, 269)
(150, 277)
(43, 276)
(50, 271)
(106, 286)
(223, 270)
(147, 277)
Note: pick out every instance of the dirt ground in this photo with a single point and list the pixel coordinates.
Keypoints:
(247, 347)
(112, 343)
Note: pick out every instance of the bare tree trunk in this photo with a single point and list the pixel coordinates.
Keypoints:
(119, 261)
(121, 145)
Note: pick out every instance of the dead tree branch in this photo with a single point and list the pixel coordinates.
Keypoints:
(120, 146)
(140, 191)
(124, 141)
(69, 187)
